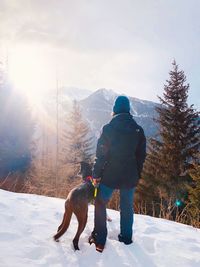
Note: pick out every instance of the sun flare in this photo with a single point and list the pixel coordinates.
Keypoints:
(29, 72)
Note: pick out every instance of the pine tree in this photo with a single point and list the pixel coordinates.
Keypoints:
(148, 194)
(194, 191)
(194, 196)
(79, 143)
(169, 157)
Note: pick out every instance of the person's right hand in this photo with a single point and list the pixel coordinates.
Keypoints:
(96, 182)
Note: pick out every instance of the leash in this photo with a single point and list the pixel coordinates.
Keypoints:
(95, 192)
(89, 178)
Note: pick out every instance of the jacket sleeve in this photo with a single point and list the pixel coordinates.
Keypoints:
(101, 154)
(141, 152)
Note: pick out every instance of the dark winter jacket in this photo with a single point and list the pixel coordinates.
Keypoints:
(121, 151)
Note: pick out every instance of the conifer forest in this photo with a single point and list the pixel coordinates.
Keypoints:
(40, 152)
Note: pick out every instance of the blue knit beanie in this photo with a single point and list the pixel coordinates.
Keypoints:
(122, 105)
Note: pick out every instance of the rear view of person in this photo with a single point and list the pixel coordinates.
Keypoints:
(120, 154)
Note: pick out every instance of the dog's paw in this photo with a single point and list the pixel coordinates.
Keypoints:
(75, 243)
(56, 239)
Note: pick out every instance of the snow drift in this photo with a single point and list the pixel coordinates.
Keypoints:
(28, 222)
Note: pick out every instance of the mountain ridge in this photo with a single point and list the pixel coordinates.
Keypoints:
(97, 110)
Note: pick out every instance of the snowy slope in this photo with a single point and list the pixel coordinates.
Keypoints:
(27, 223)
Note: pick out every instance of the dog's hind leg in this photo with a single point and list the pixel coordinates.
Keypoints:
(59, 227)
(82, 220)
(65, 223)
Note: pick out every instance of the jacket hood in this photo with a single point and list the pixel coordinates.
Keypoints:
(124, 122)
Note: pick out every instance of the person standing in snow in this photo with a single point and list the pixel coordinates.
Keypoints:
(120, 154)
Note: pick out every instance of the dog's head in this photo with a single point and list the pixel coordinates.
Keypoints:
(85, 169)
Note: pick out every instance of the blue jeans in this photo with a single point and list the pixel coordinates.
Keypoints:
(126, 213)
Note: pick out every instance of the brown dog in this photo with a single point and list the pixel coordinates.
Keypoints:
(77, 203)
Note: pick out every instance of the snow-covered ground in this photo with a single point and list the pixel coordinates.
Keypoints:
(28, 222)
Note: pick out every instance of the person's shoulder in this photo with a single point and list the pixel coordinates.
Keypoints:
(106, 127)
(137, 126)
(140, 130)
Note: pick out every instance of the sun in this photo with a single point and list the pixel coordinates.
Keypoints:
(29, 72)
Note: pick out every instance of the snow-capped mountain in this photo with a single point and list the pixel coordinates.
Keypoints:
(28, 223)
(75, 93)
(97, 109)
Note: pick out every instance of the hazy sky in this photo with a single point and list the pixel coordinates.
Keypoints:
(125, 45)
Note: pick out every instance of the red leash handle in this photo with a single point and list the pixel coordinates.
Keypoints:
(88, 178)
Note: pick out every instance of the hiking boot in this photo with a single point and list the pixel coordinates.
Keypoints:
(126, 241)
(99, 248)
(92, 238)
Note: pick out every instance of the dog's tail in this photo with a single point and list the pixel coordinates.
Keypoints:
(65, 223)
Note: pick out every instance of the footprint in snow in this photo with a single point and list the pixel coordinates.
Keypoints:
(3, 206)
(7, 236)
(9, 218)
(23, 200)
(153, 230)
(36, 253)
(148, 243)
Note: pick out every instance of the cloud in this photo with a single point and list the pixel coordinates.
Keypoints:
(126, 43)
(99, 25)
